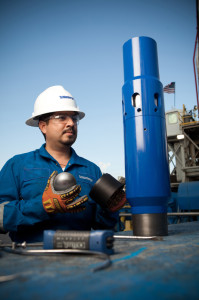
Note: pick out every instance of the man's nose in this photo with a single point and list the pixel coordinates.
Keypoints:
(70, 121)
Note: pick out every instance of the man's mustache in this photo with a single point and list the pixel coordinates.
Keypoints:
(69, 130)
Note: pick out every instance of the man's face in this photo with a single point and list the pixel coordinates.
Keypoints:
(60, 131)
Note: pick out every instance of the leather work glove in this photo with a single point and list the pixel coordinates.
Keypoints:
(62, 201)
(117, 201)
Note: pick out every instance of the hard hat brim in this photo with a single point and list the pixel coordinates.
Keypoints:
(34, 121)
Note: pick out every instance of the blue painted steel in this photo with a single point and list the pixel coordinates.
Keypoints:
(188, 195)
(97, 240)
(146, 158)
(141, 269)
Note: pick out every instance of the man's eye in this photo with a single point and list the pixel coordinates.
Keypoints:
(62, 118)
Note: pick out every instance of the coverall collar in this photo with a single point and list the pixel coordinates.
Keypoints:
(74, 159)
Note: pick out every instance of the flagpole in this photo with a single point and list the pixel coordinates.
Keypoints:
(170, 88)
(175, 96)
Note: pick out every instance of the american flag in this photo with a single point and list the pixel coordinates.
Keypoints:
(169, 88)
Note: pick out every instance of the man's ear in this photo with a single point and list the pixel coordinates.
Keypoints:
(42, 126)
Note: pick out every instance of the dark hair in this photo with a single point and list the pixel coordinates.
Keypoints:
(44, 118)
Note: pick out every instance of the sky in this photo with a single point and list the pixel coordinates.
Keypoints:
(79, 44)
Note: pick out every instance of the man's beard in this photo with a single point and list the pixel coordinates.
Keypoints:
(70, 141)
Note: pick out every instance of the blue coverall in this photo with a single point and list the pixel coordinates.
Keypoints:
(22, 182)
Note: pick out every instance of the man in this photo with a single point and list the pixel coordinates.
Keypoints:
(28, 202)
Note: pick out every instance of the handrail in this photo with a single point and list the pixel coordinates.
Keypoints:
(182, 117)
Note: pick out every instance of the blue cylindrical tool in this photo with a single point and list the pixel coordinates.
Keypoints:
(96, 240)
(146, 158)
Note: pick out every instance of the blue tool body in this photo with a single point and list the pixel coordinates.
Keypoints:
(98, 240)
(146, 158)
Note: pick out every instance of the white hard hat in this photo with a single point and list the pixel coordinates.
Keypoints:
(53, 99)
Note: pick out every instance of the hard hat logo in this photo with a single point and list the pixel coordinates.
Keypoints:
(47, 102)
(61, 97)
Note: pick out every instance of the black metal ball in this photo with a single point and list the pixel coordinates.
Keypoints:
(64, 181)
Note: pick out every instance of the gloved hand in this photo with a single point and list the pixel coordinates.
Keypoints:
(62, 201)
(117, 201)
(108, 193)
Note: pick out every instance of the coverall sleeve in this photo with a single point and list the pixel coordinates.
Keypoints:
(14, 210)
(105, 219)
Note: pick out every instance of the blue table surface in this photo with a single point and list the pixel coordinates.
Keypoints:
(163, 269)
